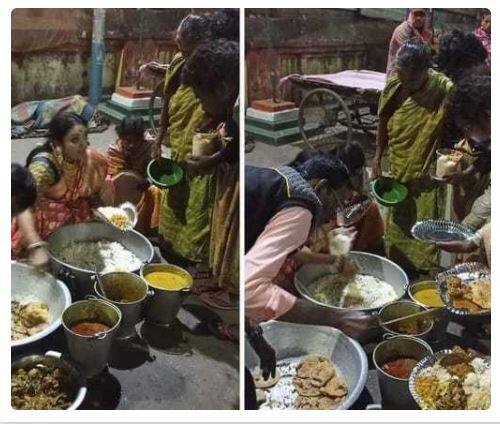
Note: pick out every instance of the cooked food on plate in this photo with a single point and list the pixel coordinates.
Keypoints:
(359, 291)
(39, 387)
(447, 164)
(474, 296)
(117, 216)
(103, 255)
(28, 318)
(458, 380)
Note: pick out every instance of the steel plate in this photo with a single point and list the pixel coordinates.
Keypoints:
(435, 231)
(468, 272)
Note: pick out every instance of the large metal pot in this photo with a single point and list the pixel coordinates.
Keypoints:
(28, 284)
(91, 353)
(127, 292)
(164, 305)
(395, 391)
(370, 264)
(299, 340)
(76, 382)
(79, 280)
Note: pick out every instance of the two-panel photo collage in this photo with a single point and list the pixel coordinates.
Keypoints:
(250, 209)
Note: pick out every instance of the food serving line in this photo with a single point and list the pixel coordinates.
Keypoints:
(114, 337)
(369, 371)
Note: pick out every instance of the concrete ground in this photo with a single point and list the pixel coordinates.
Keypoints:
(178, 367)
(268, 155)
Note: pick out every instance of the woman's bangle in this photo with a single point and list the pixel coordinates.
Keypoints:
(36, 245)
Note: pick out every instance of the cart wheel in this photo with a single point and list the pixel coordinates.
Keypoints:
(157, 92)
(320, 113)
(367, 122)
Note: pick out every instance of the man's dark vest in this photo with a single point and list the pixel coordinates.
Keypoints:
(269, 190)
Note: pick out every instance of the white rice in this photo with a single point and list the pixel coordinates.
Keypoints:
(477, 385)
(106, 256)
(437, 371)
(360, 291)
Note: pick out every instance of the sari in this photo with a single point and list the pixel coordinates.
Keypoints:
(65, 192)
(186, 208)
(225, 222)
(120, 161)
(414, 135)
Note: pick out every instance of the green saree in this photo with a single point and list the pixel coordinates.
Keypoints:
(414, 135)
(186, 208)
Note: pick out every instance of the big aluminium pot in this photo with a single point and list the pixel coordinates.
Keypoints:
(370, 264)
(80, 280)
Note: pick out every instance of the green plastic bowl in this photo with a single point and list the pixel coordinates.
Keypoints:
(164, 172)
(389, 192)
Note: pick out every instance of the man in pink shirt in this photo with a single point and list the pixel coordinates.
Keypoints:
(413, 29)
(281, 207)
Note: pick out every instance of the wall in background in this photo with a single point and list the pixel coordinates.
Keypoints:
(315, 41)
(51, 48)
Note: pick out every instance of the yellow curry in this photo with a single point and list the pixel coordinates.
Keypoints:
(167, 280)
(428, 297)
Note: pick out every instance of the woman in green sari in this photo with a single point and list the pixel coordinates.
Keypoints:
(184, 226)
(410, 123)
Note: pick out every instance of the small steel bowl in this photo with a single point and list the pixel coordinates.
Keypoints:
(399, 309)
(421, 285)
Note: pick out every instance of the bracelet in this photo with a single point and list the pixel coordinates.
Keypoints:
(36, 245)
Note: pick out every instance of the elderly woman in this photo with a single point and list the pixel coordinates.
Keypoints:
(213, 73)
(410, 121)
(69, 179)
(184, 223)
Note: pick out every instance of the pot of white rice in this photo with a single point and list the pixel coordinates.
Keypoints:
(378, 282)
(77, 251)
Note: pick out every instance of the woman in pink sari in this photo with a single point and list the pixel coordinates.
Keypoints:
(69, 177)
(483, 33)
